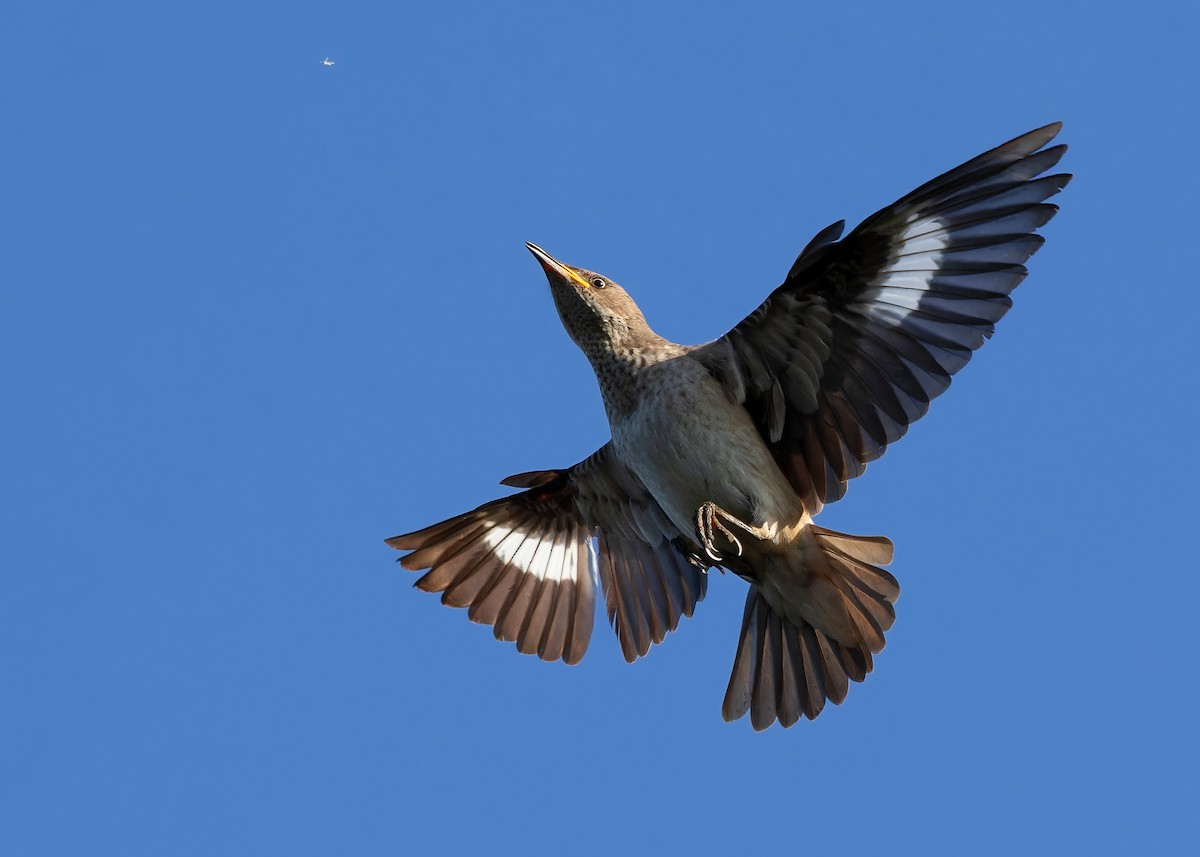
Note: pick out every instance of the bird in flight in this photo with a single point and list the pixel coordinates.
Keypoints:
(723, 454)
(327, 61)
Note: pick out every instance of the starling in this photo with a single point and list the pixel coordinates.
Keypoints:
(722, 454)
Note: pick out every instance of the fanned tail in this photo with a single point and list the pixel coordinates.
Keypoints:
(827, 623)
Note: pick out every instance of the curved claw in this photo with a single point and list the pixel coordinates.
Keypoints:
(708, 525)
(732, 538)
(709, 522)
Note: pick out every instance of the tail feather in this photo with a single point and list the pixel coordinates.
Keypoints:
(876, 550)
(871, 615)
(780, 669)
(807, 637)
(860, 560)
(833, 669)
(767, 684)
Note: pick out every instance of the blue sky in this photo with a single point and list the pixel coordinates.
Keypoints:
(258, 314)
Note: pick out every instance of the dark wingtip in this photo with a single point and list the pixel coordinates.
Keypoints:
(1039, 136)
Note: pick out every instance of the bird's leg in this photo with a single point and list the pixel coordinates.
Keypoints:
(711, 519)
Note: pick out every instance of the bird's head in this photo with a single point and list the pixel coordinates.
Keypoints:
(597, 313)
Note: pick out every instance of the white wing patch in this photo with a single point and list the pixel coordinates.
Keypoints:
(897, 291)
(546, 559)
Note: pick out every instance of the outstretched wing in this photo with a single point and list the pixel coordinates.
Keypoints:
(865, 332)
(524, 564)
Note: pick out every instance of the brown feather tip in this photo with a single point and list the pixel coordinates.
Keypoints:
(530, 478)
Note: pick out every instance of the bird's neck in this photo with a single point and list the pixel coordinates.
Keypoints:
(618, 368)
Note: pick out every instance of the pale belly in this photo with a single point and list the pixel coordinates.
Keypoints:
(690, 444)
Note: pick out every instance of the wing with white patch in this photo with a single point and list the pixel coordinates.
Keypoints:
(526, 565)
(866, 331)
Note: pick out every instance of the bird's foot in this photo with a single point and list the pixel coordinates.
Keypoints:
(711, 519)
(691, 552)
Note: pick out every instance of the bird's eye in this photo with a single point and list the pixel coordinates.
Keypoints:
(599, 282)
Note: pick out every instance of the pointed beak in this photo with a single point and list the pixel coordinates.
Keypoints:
(555, 270)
